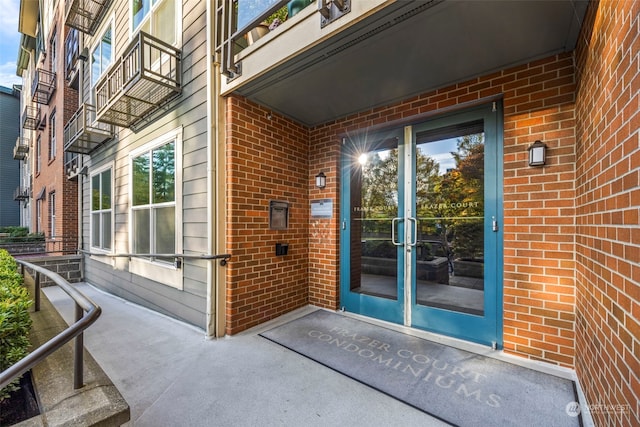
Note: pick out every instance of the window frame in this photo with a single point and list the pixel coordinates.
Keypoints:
(52, 136)
(39, 216)
(100, 171)
(53, 48)
(97, 43)
(134, 29)
(159, 271)
(52, 215)
(38, 154)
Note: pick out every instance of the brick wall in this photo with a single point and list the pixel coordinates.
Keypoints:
(267, 159)
(608, 201)
(52, 175)
(538, 202)
(67, 266)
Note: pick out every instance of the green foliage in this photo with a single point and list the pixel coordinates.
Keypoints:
(19, 234)
(15, 321)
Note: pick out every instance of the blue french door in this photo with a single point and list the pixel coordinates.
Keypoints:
(421, 241)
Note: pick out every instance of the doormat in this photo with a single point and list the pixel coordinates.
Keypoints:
(456, 386)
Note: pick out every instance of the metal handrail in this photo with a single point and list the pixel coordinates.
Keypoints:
(223, 257)
(86, 313)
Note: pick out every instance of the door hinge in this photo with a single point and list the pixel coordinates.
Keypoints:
(344, 225)
(494, 223)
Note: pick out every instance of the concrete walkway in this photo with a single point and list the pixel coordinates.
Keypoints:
(172, 376)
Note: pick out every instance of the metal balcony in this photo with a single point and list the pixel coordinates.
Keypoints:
(31, 118)
(44, 83)
(21, 194)
(73, 165)
(146, 76)
(83, 134)
(86, 15)
(21, 149)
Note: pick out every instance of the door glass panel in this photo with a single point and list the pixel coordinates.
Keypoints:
(374, 205)
(449, 266)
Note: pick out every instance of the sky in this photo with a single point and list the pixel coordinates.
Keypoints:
(9, 42)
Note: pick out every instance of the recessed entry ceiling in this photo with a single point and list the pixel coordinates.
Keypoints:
(412, 47)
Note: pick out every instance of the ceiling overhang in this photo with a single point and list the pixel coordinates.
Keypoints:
(28, 19)
(404, 50)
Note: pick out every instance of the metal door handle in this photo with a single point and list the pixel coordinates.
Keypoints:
(394, 221)
(415, 231)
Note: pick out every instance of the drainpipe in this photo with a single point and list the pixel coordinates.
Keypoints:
(210, 308)
(215, 275)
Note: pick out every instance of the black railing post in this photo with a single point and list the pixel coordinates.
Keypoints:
(37, 292)
(78, 360)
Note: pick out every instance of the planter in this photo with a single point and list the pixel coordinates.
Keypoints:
(256, 33)
(469, 268)
(435, 270)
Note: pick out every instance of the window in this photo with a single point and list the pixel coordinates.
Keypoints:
(52, 136)
(155, 200)
(101, 210)
(101, 56)
(39, 216)
(52, 214)
(53, 49)
(38, 153)
(160, 18)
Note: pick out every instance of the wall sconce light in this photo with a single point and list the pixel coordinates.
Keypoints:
(537, 153)
(321, 180)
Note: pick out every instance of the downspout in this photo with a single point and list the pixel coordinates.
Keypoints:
(216, 274)
(211, 329)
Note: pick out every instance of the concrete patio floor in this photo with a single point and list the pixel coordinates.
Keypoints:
(171, 375)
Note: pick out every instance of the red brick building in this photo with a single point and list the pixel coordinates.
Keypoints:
(570, 280)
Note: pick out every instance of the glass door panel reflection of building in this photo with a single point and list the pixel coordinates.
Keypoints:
(374, 224)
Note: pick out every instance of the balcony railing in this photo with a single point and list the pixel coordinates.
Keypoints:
(83, 134)
(44, 83)
(72, 164)
(237, 20)
(21, 193)
(86, 15)
(31, 118)
(21, 149)
(146, 76)
(71, 56)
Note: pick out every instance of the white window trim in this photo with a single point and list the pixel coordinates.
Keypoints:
(178, 13)
(95, 42)
(98, 171)
(159, 271)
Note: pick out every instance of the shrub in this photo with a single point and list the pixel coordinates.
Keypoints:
(19, 235)
(15, 321)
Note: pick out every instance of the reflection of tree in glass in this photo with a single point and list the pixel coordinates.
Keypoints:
(141, 180)
(380, 184)
(456, 194)
(469, 242)
(163, 174)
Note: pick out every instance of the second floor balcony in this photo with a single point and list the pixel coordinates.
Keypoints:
(21, 149)
(86, 15)
(21, 194)
(144, 78)
(83, 134)
(44, 83)
(31, 118)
